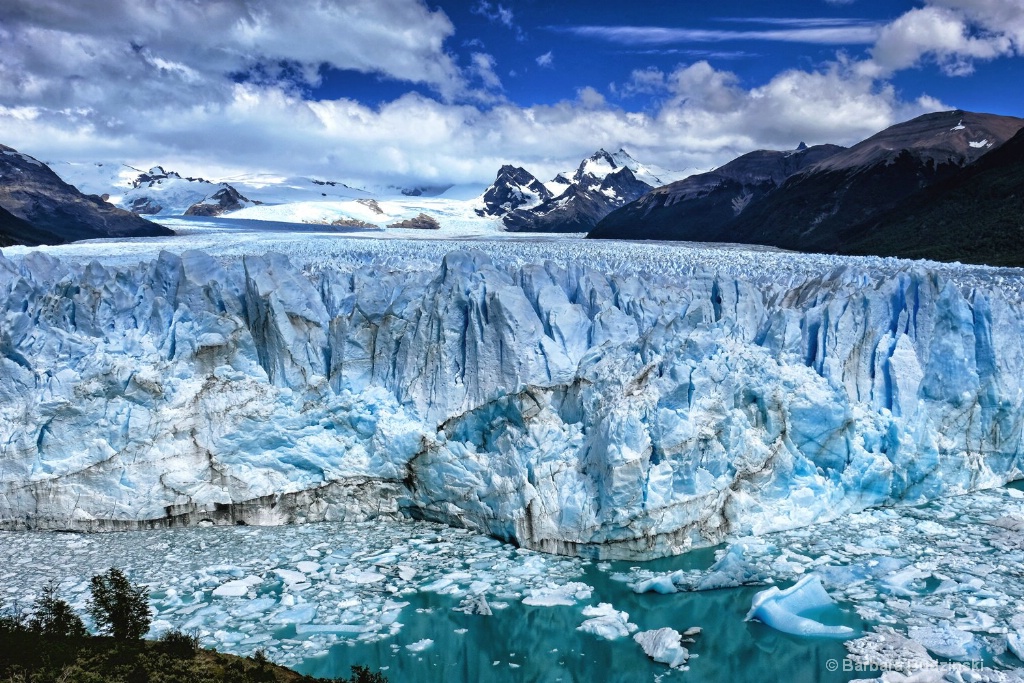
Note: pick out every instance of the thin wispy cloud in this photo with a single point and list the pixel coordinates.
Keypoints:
(696, 54)
(853, 34)
(497, 13)
(546, 60)
(801, 22)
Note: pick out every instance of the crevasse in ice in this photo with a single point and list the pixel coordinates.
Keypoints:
(549, 403)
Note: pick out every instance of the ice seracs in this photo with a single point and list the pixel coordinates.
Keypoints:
(586, 399)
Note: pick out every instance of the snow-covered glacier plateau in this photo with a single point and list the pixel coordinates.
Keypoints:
(609, 400)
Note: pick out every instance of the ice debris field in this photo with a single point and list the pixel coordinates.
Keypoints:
(911, 589)
(316, 583)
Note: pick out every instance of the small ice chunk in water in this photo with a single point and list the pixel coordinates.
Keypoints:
(361, 576)
(437, 586)
(300, 614)
(475, 604)
(657, 584)
(606, 622)
(291, 577)
(664, 645)
(945, 640)
(306, 629)
(236, 588)
(781, 609)
(550, 595)
(890, 651)
(419, 645)
(1015, 642)
(733, 569)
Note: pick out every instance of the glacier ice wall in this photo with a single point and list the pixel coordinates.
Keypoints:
(555, 406)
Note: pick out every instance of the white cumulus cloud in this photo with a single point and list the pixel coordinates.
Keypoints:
(148, 82)
(62, 48)
(952, 33)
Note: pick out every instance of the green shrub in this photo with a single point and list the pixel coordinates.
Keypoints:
(361, 674)
(54, 618)
(179, 644)
(119, 607)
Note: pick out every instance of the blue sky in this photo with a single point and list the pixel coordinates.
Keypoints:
(518, 32)
(408, 91)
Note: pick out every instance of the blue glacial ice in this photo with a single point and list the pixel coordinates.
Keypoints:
(599, 400)
(783, 609)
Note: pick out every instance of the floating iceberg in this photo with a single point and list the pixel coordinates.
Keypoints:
(606, 622)
(419, 645)
(664, 645)
(781, 609)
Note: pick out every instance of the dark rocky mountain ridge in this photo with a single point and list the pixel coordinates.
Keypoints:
(40, 208)
(702, 207)
(222, 201)
(828, 206)
(601, 183)
(975, 216)
(835, 204)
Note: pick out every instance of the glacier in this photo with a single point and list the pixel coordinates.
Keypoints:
(609, 401)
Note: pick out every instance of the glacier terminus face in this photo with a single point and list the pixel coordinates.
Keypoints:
(612, 400)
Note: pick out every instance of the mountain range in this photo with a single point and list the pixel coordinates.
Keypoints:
(37, 207)
(888, 195)
(159, 191)
(710, 200)
(573, 202)
(945, 186)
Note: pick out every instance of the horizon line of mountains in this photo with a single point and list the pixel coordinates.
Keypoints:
(945, 186)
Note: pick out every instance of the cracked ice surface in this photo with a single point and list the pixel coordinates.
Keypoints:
(600, 399)
(294, 590)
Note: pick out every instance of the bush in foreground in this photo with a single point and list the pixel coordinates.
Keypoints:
(51, 645)
(53, 617)
(119, 607)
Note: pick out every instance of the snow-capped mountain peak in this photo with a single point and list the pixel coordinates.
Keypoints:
(156, 175)
(577, 201)
(602, 163)
(595, 167)
(514, 187)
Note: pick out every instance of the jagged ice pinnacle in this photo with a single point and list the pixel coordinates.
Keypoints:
(556, 406)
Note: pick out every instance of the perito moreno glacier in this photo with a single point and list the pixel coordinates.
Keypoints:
(694, 395)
